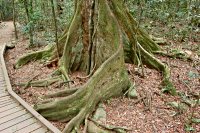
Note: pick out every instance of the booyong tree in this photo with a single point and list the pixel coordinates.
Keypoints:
(101, 38)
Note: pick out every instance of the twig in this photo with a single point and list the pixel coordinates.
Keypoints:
(139, 99)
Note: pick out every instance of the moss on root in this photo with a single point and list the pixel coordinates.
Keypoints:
(33, 56)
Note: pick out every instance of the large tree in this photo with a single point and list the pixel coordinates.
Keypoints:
(100, 39)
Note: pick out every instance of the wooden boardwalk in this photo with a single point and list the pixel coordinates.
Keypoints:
(16, 116)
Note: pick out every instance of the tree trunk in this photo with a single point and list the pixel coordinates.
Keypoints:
(55, 25)
(102, 36)
(14, 19)
(30, 22)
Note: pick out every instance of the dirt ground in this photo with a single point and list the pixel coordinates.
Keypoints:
(6, 32)
(149, 113)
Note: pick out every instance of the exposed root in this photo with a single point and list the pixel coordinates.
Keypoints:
(38, 55)
(76, 121)
(143, 45)
(88, 76)
(177, 54)
(110, 78)
(153, 62)
(41, 83)
(86, 98)
(159, 41)
(62, 93)
(28, 83)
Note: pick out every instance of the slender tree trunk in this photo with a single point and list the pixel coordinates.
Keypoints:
(14, 19)
(30, 22)
(55, 25)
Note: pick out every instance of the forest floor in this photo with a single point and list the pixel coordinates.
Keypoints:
(152, 112)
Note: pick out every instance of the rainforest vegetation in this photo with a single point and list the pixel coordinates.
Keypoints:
(101, 39)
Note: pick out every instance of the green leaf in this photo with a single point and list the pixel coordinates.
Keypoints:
(191, 74)
(195, 120)
(189, 128)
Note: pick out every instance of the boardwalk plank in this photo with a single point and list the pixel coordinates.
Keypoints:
(3, 90)
(9, 107)
(40, 130)
(6, 101)
(12, 116)
(4, 94)
(2, 86)
(2, 83)
(20, 125)
(11, 111)
(4, 105)
(30, 128)
(5, 98)
(15, 121)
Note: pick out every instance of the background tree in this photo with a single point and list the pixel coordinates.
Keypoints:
(56, 27)
(14, 19)
(6, 9)
(29, 11)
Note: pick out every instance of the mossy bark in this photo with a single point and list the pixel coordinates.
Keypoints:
(102, 36)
